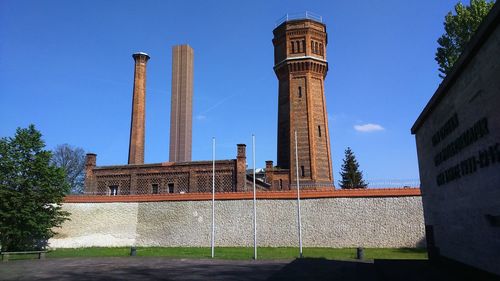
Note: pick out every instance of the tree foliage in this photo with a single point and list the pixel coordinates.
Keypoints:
(72, 160)
(352, 177)
(459, 28)
(31, 191)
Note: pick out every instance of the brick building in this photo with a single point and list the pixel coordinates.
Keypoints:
(167, 177)
(300, 66)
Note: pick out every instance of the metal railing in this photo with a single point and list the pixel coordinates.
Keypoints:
(298, 16)
(393, 183)
(374, 183)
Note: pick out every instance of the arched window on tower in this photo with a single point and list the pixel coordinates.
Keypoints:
(303, 46)
(293, 47)
(321, 50)
(316, 47)
(319, 131)
(300, 92)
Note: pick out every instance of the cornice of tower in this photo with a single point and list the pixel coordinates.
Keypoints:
(299, 64)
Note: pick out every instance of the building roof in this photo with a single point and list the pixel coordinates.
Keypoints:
(483, 32)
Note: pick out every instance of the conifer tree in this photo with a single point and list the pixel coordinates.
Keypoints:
(352, 177)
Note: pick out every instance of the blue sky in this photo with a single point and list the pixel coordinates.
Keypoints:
(66, 66)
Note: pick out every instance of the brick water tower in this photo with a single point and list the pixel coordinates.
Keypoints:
(301, 66)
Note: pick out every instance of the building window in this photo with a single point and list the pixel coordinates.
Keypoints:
(300, 92)
(155, 188)
(303, 172)
(321, 50)
(312, 46)
(170, 188)
(281, 184)
(293, 47)
(316, 49)
(113, 190)
(303, 45)
(319, 131)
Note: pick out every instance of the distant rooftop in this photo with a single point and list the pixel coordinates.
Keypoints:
(300, 16)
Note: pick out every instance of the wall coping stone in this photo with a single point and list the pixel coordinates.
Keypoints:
(288, 194)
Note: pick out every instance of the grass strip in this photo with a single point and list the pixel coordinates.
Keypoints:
(241, 253)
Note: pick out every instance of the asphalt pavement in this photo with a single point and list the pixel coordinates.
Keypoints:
(161, 268)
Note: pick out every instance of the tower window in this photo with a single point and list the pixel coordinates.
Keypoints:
(319, 131)
(320, 48)
(302, 171)
(154, 188)
(170, 188)
(281, 184)
(300, 92)
(303, 45)
(312, 46)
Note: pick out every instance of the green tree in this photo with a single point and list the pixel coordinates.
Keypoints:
(459, 28)
(352, 177)
(31, 192)
(72, 160)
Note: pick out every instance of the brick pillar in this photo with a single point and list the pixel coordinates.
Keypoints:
(241, 168)
(133, 182)
(138, 124)
(192, 182)
(90, 183)
(269, 171)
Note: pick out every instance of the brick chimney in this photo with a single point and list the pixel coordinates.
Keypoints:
(90, 163)
(241, 168)
(138, 123)
(269, 171)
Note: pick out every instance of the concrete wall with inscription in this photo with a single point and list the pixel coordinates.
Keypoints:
(326, 222)
(458, 146)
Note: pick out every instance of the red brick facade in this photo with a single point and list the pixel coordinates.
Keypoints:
(167, 177)
(301, 67)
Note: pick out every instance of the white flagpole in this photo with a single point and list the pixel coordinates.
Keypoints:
(213, 196)
(298, 196)
(254, 203)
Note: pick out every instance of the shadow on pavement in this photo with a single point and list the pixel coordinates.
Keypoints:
(417, 270)
(386, 270)
(323, 269)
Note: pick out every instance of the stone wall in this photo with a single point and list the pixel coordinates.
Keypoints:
(326, 222)
(98, 225)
